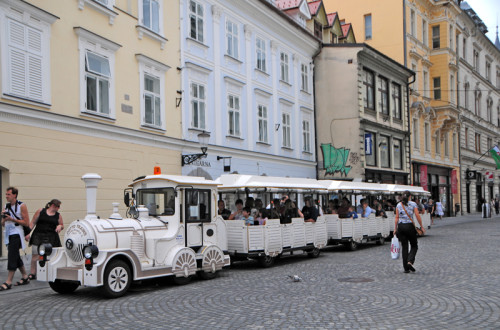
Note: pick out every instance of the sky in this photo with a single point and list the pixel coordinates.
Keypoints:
(489, 12)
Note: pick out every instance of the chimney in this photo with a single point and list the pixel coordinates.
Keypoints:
(91, 180)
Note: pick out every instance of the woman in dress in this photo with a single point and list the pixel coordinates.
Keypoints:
(48, 223)
(439, 210)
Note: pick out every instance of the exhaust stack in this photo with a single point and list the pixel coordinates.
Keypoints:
(91, 180)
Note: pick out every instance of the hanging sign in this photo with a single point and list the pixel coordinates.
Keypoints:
(368, 144)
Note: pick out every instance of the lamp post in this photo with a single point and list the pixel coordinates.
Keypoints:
(203, 138)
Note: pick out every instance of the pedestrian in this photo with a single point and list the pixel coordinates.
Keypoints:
(14, 217)
(430, 209)
(438, 210)
(48, 223)
(497, 205)
(404, 229)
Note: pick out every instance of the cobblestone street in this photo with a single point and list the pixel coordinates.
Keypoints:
(456, 286)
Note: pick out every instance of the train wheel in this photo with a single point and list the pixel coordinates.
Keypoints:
(266, 261)
(314, 253)
(181, 280)
(380, 241)
(64, 287)
(208, 275)
(351, 246)
(117, 279)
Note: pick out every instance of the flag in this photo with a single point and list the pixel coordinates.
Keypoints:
(495, 153)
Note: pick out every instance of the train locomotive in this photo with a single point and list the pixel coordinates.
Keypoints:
(170, 230)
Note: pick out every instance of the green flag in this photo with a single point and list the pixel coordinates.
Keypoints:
(495, 153)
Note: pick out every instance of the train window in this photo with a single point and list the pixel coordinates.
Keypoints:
(197, 205)
(159, 201)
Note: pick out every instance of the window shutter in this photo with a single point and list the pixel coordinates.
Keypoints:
(17, 59)
(34, 77)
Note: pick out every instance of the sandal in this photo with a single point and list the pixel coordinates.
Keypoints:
(32, 277)
(5, 286)
(23, 281)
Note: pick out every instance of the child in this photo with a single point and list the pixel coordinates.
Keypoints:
(247, 217)
(262, 220)
(351, 214)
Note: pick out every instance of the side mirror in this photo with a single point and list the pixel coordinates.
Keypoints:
(126, 199)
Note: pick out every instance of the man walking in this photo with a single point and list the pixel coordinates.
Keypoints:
(14, 217)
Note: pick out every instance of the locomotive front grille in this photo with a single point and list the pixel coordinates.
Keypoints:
(76, 253)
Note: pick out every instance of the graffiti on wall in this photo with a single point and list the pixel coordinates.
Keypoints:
(335, 159)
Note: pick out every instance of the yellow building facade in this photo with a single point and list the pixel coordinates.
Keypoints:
(87, 86)
(420, 35)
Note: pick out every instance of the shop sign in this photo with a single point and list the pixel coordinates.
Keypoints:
(368, 144)
(423, 177)
(489, 176)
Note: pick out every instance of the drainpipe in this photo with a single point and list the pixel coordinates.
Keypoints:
(408, 121)
(404, 33)
(315, 112)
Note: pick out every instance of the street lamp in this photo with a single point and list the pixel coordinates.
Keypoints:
(203, 138)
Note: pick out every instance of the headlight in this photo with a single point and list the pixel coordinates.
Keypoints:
(45, 249)
(90, 251)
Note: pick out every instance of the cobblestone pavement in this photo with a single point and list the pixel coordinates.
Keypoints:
(456, 286)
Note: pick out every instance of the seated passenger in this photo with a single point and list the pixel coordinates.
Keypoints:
(380, 212)
(310, 211)
(366, 210)
(261, 218)
(351, 214)
(344, 208)
(222, 211)
(238, 214)
(247, 217)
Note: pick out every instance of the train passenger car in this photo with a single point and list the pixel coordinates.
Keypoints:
(352, 232)
(173, 230)
(276, 237)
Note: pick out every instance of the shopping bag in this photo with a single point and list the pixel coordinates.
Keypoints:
(395, 248)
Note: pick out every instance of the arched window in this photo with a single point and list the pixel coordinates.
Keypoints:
(466, 95)
(477, 103)
(489, 110)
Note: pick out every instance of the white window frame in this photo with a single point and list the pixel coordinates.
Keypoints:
(286, 129)
(232, 39)
(384, 95)
(154, 69)
(198, 16)
(36, 83)
(142, 16)
(304, 74)
(284, 67)
(397, 100)
(368, 26)
(427, 137)
(306, 135)
(90, 42)
(260, 53)
(416, 134)
(437, 143)
(233, 115)
(446, 143)
(396, 160)
(201, 103)
(413, 25)
(262, 123)
(425, 33)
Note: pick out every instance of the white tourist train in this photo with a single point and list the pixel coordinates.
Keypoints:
(173, 229)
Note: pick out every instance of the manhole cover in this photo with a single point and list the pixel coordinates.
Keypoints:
(355, 279)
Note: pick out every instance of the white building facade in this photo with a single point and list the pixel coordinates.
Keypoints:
(247, 81)
(478, 87)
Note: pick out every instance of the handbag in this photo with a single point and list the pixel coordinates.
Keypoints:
(395, 248)
(419, 231)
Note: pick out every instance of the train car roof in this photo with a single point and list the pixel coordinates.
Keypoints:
(417, 190)
(367, 187)
(177, 179)
(232, 182)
